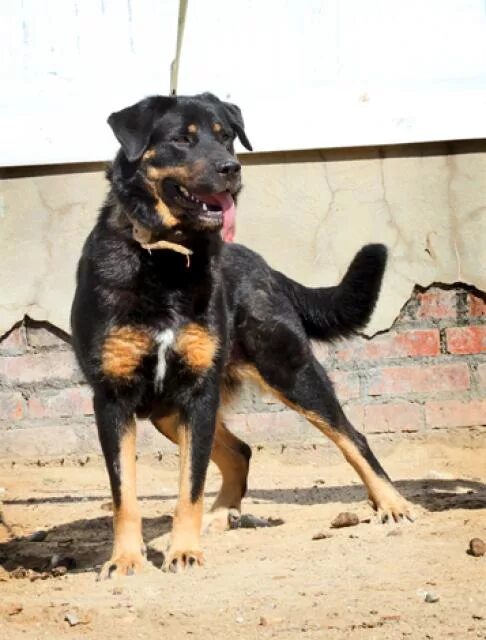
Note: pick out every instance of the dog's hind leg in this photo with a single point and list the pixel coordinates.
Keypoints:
(309, 391)
(117, 433)
(232, 457)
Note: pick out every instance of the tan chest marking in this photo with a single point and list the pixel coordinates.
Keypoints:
(196, 346)
(123, 351)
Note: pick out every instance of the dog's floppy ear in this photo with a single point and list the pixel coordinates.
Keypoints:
(132, 126)
(233, 114)
(236, 119)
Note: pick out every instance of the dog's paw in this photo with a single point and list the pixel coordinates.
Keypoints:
(391, 506)
(123, 564)
(177, 560)
(221, 519)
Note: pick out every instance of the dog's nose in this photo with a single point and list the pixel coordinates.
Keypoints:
(229, 167)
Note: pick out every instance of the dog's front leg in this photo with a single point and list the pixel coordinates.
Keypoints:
(195, 438)
(117, 433)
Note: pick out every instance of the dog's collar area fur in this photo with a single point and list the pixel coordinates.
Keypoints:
(144, 237)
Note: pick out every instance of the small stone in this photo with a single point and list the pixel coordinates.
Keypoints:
(37, 536)
(72, 619)
(263, 621)
(239, 619)
(58, 572)
(117, 591)
(248, 521)
(14, 608)
(321, 535)
(20, 572)
(62, 561)
(430, 596)
(477, 547)
(345, 519)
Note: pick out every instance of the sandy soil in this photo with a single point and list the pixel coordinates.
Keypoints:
(367, 581)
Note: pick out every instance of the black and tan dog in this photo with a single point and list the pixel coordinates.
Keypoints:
(168, 320)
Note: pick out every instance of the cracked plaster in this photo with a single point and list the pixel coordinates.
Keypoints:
(307, 213)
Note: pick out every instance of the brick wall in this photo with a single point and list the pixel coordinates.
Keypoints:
(427, 372)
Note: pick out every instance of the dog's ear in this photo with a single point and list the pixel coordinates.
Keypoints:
(133, 125)
(236, 119)
(233, 113)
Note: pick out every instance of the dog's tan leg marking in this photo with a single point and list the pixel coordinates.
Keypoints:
(127, 557)
(226, 454)
(233, 465)
(385, 499)
(123, 351)
(185, 542)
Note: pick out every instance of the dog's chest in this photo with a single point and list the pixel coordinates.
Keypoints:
(193, 346)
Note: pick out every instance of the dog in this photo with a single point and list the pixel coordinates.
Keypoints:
(169, 318)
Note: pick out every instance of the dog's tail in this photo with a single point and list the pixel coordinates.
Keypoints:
(333, 312)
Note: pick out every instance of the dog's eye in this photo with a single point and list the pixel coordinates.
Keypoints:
(182, 139)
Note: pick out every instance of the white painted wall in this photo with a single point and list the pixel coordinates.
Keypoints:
(307, 73)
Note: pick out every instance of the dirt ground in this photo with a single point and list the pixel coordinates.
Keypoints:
(368, 581)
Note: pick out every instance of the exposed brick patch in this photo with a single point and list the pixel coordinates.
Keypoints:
(455, 413)
(12, 406)
(466, 340)
(436, 304)
(419, 379)
(38, 367)
(482, 376)
(75, 401)
(346, 384)
(42, 338)
(476, 305)
(382, 418)
(426, 372)
(267, 423)
(14, 343)
(420, 342)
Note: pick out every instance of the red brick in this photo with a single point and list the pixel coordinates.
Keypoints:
(476, 306)
(455, 413)
(38, 367)
(12, 405)
(346, 384)
(419, 379)
(14, 343)
(72, 402)
(482, 375)
(385, 418)
(40, 337)
(436, 304)
(465, 340)
(422, 342)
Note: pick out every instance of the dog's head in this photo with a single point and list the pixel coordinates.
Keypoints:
(180, 150)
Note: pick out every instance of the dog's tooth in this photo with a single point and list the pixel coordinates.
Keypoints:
(184, 190)
(205, 206)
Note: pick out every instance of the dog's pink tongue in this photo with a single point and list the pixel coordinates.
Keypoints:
(227, 204)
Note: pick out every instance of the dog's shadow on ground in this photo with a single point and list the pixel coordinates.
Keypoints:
(88, 541)
(432, 494)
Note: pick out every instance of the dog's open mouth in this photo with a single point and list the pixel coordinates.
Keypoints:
(215, 210)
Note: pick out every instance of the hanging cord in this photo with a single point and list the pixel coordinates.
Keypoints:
(174, 67)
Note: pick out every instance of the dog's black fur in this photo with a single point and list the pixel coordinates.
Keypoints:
(256, 318)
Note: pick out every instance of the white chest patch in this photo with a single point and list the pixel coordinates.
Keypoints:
(164, 339)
